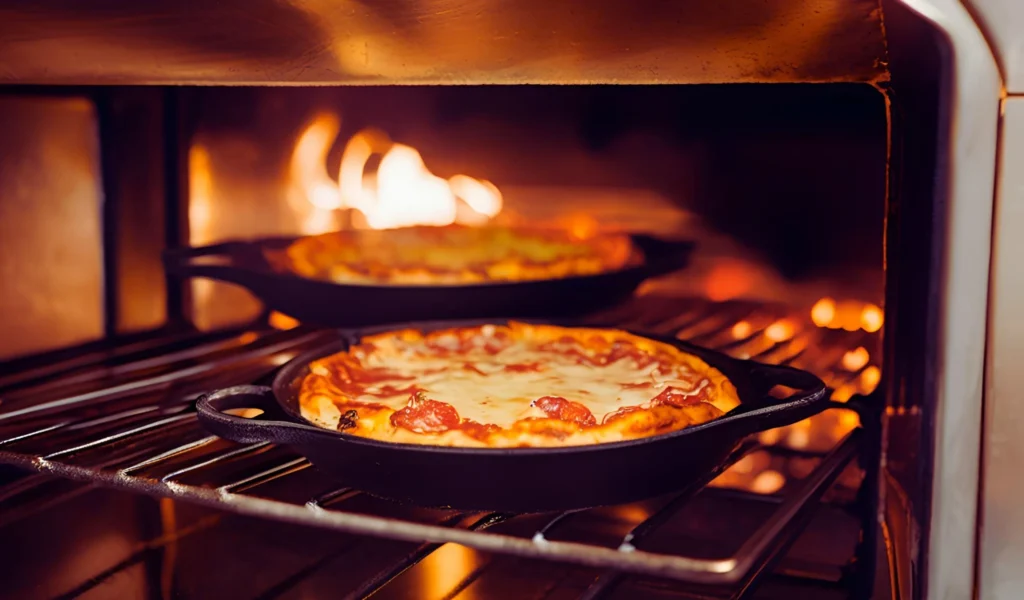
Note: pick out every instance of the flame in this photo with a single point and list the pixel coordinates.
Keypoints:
(312, 193)
(308, 166)
(401, 192)
(200, 195)
(200, 221)
(482, 196)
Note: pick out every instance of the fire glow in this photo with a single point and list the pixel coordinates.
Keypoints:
(848, 315)
(401, 192)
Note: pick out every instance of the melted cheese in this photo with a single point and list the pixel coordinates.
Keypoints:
(491, 382)
(484, 390)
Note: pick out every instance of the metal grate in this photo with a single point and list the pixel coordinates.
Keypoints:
(125, 419)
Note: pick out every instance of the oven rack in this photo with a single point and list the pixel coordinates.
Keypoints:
(130, 425)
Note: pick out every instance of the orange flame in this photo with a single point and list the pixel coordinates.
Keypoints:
(401, 192)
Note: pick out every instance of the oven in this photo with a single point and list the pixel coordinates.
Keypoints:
(844, 170)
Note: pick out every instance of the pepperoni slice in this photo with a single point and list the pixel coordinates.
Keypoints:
(676, 397)
(559, 408)
(424, 415)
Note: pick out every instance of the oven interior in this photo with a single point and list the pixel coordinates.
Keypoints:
(811, 207)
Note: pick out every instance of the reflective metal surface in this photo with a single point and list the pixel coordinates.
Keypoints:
(940, 250)
(1002, 532)
(1003, 22)
(439, 41)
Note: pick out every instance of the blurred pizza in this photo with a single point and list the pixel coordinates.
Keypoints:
(453, 255)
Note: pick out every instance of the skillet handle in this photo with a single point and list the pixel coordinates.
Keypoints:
(811, 398)
(233, 256)
(274, 425)
(663, 256)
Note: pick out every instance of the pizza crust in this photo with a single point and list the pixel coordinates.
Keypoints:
(515, 385)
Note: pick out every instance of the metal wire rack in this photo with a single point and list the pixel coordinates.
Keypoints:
(123, 418)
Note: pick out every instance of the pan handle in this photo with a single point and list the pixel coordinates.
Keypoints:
(233, 255)
(663, 256)
(811, 398)
(274, 425)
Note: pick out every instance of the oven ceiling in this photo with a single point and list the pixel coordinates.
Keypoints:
(283, 42)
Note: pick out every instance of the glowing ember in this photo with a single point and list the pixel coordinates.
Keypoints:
(401, 192)
(844, 393)
(799, 438)
(869, 379)
(582, 226)
(823, 312)
(854, 360)
(871, 318)
(728, 279)
(848, 420)
(282, 321)
(770, 437)
(741, 330)
(768, 482)
(779, 331)
(849, 315)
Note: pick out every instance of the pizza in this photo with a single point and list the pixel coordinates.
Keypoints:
(453, 254)
(514, 385)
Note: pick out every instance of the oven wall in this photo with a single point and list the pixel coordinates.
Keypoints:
(51, 234)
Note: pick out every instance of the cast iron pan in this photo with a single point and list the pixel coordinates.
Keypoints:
(518, 479)
(341, 305)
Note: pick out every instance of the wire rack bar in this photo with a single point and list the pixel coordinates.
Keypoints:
(152, 432)
(706, 571)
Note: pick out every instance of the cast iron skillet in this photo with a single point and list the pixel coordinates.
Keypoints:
(346, 305)
(517, 479)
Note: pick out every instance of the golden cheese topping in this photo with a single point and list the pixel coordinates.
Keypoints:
(514, 385)
(453, 254)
